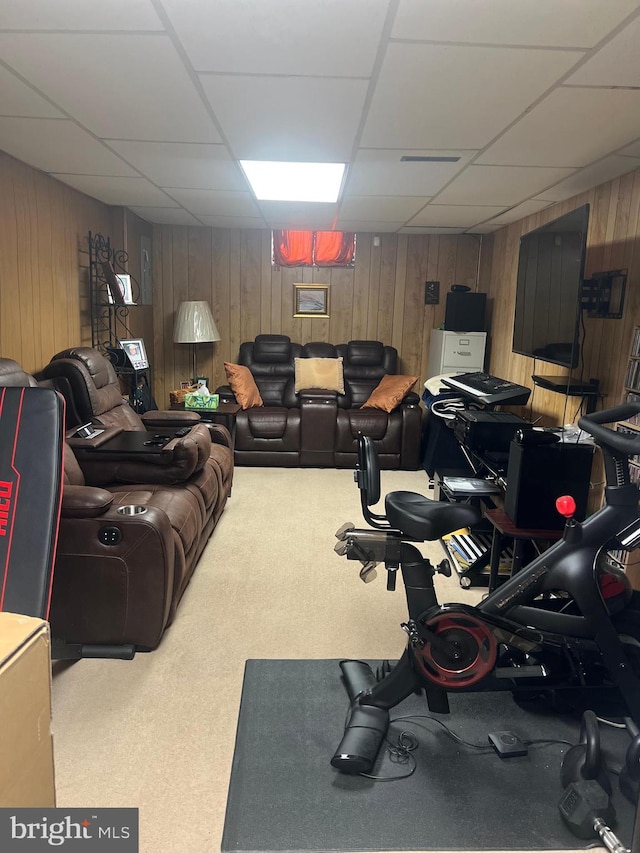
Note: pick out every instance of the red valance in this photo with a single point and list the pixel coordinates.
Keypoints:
(313, 248)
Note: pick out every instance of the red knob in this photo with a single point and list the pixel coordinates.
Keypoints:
(566, 506)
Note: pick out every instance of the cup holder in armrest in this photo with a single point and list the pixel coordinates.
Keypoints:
(131, 509)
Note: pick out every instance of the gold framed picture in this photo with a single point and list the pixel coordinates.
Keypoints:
(310, 300)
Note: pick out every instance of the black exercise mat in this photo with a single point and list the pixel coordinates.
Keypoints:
(285, 796)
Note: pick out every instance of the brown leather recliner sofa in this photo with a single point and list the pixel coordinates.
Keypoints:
(120, 574)
(316, 427)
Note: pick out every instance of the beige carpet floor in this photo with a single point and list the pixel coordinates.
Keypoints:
(157, 733)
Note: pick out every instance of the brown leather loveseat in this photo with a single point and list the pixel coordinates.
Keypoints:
(317, 427)
(120, 573)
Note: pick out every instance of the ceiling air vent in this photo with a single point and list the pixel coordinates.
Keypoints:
(408, 158)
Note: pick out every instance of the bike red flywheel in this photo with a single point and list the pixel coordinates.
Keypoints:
(466, 656)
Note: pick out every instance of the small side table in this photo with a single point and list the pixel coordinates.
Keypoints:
(504, 527)
(225, 414)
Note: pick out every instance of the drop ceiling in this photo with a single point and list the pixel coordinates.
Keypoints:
(149, 104)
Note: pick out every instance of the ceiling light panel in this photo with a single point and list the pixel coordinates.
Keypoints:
(254, 37)
(571, 127)
(119, 87)
(490, 87)
(180, 164)
(285, 114)
(53, 145)
(526, 22)
(505, 185)
(277, 181)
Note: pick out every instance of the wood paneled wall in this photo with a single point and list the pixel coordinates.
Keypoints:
(44, 305)
(381, 298)
(613, 242)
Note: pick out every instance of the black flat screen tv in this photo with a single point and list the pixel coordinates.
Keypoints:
(549, 290)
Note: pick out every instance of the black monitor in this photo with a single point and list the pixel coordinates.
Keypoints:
(549, 290)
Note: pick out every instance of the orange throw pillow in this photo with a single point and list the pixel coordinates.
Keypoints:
(389, 392)
(243, 385)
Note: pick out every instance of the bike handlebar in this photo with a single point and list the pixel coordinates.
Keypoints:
(621, 442)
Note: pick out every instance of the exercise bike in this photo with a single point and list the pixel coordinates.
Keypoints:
(568, 623)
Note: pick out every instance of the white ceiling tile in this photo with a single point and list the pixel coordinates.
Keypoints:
(381, 208)
(631, 150)
(18, 99)
(180, 164)
(215, 202)
(232, 221)
(55, 145)
(426, 229)
(360, 225)
(254, 37)
(527, 208)
(118, 86)
(504, 185)
(487, 228)
(79, 15)
(490, 87)
(452, 216)
(305, 215)
(615, 64)
(552, 23)
(128, 192)
(279, 118)
(165, 215)
(570, 127)
(381, 172)
(598, 173)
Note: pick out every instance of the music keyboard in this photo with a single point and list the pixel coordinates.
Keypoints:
(488, 390)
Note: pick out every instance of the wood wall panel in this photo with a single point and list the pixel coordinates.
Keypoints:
(382, 297)
(613, 242)
(44, 305)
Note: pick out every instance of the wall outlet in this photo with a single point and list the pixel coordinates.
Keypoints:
(431, 292)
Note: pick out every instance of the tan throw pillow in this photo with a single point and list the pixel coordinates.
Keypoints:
(324, 373)
(389, 392)
(243, 385)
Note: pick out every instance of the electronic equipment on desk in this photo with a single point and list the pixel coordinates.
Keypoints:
(480, 431)
(488, 390)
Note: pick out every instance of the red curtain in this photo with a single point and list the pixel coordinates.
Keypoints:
(292, 248)
(308, 248)
(334, 248)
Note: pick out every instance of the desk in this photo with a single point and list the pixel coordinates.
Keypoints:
(504, 527)
(225, 414)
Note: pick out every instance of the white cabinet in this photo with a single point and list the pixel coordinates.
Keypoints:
(456, 352)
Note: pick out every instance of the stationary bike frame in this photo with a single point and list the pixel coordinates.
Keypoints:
(569, 566)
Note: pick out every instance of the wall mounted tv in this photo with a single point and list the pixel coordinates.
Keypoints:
(549, 290)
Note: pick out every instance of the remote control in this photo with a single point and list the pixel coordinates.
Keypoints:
(182, 432)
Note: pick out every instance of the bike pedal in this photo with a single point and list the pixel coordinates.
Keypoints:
(368, 572)
(341, 548)
(341, 532)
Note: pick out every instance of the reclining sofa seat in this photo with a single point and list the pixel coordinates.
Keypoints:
(93, 394)
(317, 427)
(118, 578)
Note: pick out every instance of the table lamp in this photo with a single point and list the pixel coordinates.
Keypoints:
(195, 325)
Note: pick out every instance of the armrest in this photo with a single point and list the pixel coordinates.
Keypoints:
(105, 434)
(411, 399)
(220, 435)
(317, 395)
(180, 458)
(166, 418)
(85, 501)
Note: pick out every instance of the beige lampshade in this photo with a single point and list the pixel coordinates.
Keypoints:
(195, 324)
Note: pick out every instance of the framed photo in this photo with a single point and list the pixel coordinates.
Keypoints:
(114, 288)
(135, 352)
(310, 300)
(185, 385)
(124, 282)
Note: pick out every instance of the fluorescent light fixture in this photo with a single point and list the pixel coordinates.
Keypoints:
(278, 181)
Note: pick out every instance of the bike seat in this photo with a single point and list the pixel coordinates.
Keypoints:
(424, 519)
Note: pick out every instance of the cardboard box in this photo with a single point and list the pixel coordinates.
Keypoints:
(26, 745)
